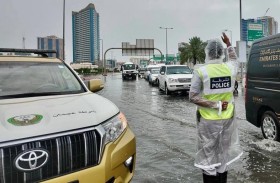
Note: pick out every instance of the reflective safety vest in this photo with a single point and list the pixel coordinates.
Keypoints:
(218, 85)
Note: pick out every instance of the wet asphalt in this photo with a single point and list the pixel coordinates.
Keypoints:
(165, 131)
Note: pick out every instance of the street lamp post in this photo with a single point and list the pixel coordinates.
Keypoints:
(102, 53)
(166, 28)
(240, 14)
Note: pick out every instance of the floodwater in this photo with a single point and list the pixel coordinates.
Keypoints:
(165, 132)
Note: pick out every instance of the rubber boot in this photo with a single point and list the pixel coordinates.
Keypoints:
(223, 177)
(211, 178)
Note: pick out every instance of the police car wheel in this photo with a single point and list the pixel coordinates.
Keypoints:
(270, 126)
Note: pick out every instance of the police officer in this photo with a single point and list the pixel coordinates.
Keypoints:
(212, 91)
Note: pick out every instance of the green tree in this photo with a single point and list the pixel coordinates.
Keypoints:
(193, 51)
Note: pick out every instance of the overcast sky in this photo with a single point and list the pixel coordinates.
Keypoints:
(128, 20)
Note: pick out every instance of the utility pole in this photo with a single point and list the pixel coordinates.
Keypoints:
(240, 12)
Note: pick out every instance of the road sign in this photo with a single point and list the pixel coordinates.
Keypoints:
(255, 31)
(170, 58)
(158, 58)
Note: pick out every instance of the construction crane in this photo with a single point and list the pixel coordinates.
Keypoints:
(266, 11)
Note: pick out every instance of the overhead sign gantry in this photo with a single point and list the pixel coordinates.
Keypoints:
(143, 47)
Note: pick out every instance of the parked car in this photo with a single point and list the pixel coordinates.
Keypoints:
(141, 72)
(54, 129)
(262, 88)
(148, 71)
(153, 76)
(174, 78)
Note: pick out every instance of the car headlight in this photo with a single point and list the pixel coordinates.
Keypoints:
(114, 127)
(171, 80)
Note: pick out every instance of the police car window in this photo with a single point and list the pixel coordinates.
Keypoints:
(32, 77)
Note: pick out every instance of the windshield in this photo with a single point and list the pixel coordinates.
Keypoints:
(129, 66)
(26, 79)
(155, 71)
(178, 70)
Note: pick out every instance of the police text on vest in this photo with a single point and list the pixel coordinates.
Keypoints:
(220, 82)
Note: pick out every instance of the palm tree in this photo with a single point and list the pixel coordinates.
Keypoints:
(193, 51)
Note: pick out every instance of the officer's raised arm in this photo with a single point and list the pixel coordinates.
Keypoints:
(230, 50)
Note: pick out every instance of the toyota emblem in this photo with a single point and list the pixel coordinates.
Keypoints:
(31, 159)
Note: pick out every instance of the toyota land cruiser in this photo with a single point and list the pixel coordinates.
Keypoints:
(54, 129)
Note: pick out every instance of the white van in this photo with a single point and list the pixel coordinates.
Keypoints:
(129, 70)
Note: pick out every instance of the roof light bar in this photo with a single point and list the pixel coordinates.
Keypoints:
(35, 51)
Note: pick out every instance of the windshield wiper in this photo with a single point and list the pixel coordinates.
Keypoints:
(22, 95)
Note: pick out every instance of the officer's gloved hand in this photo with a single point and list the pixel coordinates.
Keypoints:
(226, 39)
(224, 105)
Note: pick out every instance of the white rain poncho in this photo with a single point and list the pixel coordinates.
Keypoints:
(217, 140)
(218, 145)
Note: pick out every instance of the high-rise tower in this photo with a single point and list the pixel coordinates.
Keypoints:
(85, 25)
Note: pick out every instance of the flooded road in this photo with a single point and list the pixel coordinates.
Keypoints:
(165, 132)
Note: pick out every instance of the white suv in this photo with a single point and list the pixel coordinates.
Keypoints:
(174, 78)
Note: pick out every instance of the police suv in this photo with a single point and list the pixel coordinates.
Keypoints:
(54, 129)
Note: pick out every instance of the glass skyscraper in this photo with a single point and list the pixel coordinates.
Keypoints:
(85, 25)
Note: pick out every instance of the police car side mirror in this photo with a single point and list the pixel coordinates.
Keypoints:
(95, 85)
